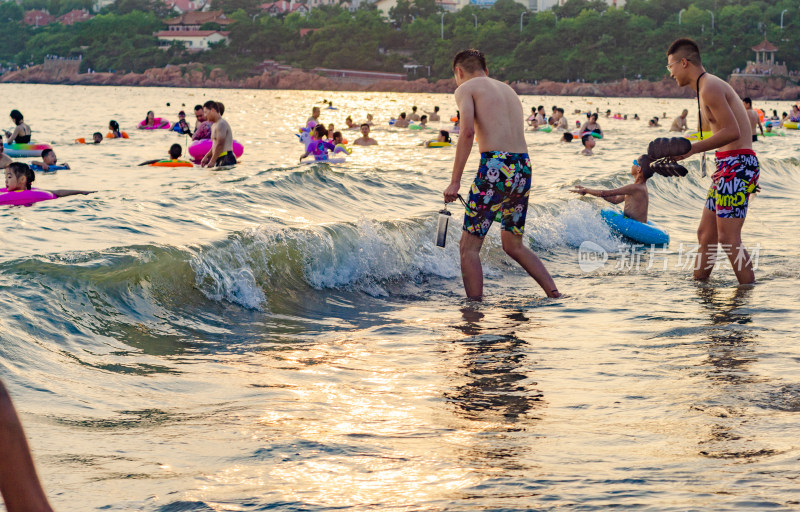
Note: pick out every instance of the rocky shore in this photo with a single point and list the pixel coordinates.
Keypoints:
(196, 75)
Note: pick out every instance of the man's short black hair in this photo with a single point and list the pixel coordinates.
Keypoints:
(470, 61)
(561, 110)
(198, 107)
(46, 152)
(748, 101)
(685, 48)
(567, 137)
(175, 151)
(585, 138)
(211, 105)
(365, 124)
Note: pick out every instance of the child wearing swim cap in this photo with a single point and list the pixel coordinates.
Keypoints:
(634, 195)
(20, 177)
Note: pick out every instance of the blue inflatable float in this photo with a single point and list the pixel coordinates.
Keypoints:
(648, 234)
(51, 168)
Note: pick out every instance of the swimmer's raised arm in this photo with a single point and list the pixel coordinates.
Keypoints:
(466, 106)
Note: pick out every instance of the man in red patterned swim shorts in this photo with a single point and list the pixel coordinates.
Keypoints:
(736, 177)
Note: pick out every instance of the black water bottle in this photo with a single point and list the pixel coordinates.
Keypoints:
(441, 230)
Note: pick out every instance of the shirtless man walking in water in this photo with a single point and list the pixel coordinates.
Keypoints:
(491, 110)
(221, 153)
(736, 177)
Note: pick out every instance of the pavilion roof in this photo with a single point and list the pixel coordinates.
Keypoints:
(765, 46)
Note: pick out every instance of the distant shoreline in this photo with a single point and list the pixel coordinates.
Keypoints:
(195, 76)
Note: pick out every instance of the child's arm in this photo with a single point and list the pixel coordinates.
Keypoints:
(64, 193)
(43, 165)
(613, 196)
(304, 155)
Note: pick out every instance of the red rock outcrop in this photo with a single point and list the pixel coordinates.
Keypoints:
(197, 75)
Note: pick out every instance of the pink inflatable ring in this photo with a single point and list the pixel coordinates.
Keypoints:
(23, 197)
(158, 124)
(198, 149)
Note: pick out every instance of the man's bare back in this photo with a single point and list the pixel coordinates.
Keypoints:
(221, 129)
(715, 94)
(497, 110)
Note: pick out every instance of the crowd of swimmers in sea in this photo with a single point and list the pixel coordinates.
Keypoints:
(320, 140)
(211, 136)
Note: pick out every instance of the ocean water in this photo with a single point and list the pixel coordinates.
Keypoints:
(285, 336)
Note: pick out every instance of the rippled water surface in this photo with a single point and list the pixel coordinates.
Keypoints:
(285, 336)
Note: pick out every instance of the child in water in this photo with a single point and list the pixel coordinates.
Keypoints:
(97, 138)
(635, 195)
(181, 126)
(48, 163)
(588, 143)
(113, 130)
(175, 152)
(339, 144)
(20, 177)
(318, 146)
(444, 137)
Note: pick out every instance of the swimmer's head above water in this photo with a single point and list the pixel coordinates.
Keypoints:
(49, 156)
(16, 116)
(641, 166)
(19, 176)
(320, 132)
